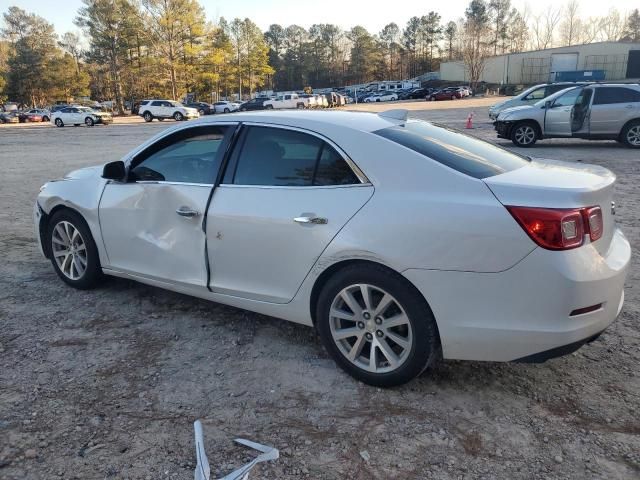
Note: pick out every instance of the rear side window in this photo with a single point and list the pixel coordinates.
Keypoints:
(466, 154)
(281, 157)
(610, 95)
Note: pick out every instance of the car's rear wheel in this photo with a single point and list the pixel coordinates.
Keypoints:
(201, 111)
(89, 122)
(433, 99)
(300, 105)
(74, 254)
(59, 122)
(147, 116)
(178, 117)
(631, 135)
(376, 325)
(524, 134)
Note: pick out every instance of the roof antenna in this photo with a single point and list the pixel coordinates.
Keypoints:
(397, 114)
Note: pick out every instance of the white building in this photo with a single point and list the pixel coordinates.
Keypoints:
(620, 61)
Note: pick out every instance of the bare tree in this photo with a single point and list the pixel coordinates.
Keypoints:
(571, 24)
(612, 26)
(543, 26)
(477, 40)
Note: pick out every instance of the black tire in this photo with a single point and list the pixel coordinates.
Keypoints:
(76, 124)
(453, 97)
(268, 107)
(160, 119)
(93, 272)
(45, 119)
(630, 135)
(178, 117)
(59, 122)
(433, 99)
(89, 122)
(147, 117)
(524, 134)
(226, 110)
(201, 111)
(300, 105)
(425, 345)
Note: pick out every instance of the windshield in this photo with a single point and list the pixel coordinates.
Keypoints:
(461, 152)
(551, 98)
(85, 109)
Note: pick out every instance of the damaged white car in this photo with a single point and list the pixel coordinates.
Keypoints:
(399, 240)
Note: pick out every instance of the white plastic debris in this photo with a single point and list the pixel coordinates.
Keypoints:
(203, 471)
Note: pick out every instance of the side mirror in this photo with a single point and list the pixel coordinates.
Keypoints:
(114, 171)
(547, 104)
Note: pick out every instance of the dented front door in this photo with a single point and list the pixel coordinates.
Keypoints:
(155, 230)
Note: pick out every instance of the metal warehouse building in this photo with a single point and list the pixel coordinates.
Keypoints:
(619, 61)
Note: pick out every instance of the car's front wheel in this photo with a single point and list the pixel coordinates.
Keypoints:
(59, 122)
(376, 325)
(524, 134)
(630, 135)
(178, 117)
(89, 122)
(74, 254)
(45, 119)
(226, 110)
(201, 112)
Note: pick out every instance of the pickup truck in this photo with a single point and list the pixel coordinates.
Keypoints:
(289, 100)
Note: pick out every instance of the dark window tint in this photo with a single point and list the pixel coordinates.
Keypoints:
(333, 170)
(157, 104)
(463, 153)
(280, 157)
(144, 102)
(609, 95)
(189, 156)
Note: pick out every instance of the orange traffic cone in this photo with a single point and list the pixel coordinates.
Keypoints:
(469, 121)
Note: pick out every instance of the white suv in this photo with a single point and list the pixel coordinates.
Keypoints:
(161, 109)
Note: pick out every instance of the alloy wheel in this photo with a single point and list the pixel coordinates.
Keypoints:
(69, 250)
(525, 135)
(633, 136)
(370, 328)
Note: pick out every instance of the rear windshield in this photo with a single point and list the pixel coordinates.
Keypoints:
(466, 154)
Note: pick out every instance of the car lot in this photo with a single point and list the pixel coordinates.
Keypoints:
(106, 383)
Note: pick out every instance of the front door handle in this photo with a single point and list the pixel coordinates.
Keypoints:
(311, 220)
(187, 212)
(629, 106)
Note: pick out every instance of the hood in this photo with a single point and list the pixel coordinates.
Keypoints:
(86, 172)
(510, 110)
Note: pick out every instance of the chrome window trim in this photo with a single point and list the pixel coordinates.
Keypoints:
(295, 187)
(165, 182)
(352, 165)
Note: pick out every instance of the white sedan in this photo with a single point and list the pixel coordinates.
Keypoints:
(382, 97)
(457, 248)
(226, 107)
(77, 115)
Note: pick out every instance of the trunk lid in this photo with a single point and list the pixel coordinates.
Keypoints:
(556, 184)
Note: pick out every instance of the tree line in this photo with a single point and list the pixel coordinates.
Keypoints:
(167, 48)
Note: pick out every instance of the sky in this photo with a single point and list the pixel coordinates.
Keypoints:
(345, 13)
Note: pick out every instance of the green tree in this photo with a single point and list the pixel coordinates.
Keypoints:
(389, 38)
(450, 33)
(632, 29)
(365, 55)
(110, 26)
(477, 40)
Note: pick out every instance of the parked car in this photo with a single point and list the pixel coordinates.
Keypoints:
(417, 93)
(45, 115)
(310, 100)
(381, 97)
(77, 115)
(253, 104)
(25, 117)
(524, 262)
(202, 108)
(9, 117)
(163, 109)
(445, 94)
(58, 107)
(593, 112)
(530, 96)
(226, 107)
(289, 100)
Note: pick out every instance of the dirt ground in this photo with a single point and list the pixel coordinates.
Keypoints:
(106, 384)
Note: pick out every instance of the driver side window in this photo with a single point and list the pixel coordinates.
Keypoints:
(568, 99)
(537, 94)
(188, 156)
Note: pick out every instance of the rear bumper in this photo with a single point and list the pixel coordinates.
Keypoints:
(525, 311)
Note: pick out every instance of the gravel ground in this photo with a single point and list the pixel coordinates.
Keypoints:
(107, 383)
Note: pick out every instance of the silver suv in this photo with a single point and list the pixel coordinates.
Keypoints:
(593, 112)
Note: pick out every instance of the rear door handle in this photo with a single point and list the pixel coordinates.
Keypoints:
(311, 220)
(187, 212)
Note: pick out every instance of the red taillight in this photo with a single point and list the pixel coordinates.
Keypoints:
(559, 229)
(593, 219)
